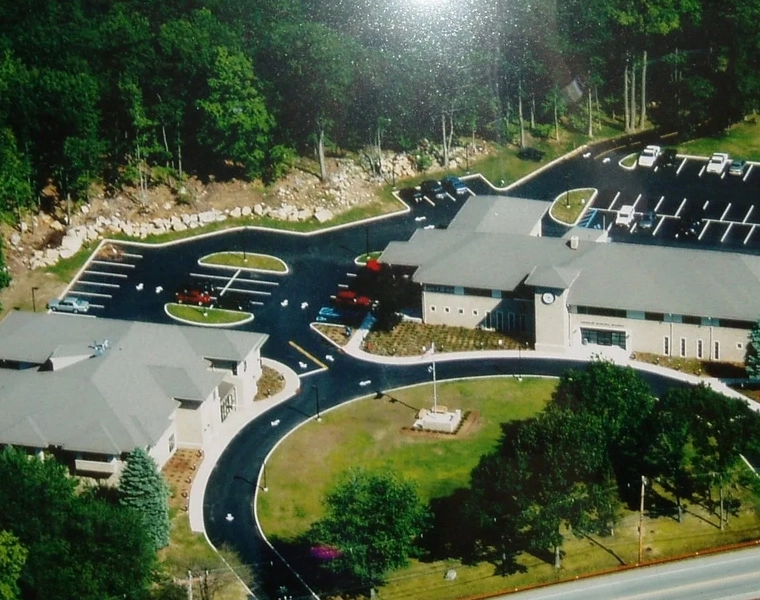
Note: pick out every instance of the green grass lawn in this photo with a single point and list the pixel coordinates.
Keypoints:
(246, 260)
(372, 433)
(202, 314)
(741, 140)
(569, 206)
(630, 160)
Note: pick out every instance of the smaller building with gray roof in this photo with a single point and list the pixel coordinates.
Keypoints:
(580, 289)
(92, 390)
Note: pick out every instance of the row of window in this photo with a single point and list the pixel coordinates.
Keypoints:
(493, 319)
(662, 317)
(699, 349)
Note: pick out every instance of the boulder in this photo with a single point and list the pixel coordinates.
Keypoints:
(246, 211)
(323, 215)
(236, 212)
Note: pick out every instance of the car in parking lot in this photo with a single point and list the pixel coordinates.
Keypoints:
(454, 186)
(737, 167)
(649, 155)
(647, 220)
(624, 216)
(234, 301)
(668, 158)
(717, 163)
(69, 304)
(411, 195)
(689, 226)
(433, 189)
(350, 299)
(194, 295)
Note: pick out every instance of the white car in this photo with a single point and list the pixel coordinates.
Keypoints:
(718, 163)
(624, 216)
(649, 156)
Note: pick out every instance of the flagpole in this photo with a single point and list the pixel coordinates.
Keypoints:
(435, 385)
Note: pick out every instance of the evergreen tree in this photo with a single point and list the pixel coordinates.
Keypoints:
(143, 488)
(752, 359)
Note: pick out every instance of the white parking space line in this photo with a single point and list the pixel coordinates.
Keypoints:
(429, 201)
(683, 162)
(113, 263)
(226, 277)
(343, 285)
(749, 170)
(251, 292)
(97, 305)
(98, 284)
(613, 201)
(749, 212)
(635, 202)
(704, 229)
(662, 199)
(106, 274)
(132, 255)
(725, 212)
(680, 207)
(705, 205)
(656, 229)
(702, 170)
(723, 237)
(230, 282)
(751, 231)
(351, 274)
(93, 294)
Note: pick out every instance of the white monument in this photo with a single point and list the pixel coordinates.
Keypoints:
(440, 418)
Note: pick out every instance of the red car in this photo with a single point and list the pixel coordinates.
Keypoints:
(194, 296)
(349, 299)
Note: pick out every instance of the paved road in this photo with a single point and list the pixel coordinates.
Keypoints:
(733, 576)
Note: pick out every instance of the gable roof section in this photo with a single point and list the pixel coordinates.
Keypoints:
(499, 214)
(640, 277)
(109, 403)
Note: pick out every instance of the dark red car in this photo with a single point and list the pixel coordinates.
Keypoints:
(349, 299)
(194, 296)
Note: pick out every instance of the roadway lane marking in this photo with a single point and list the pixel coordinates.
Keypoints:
(308, 355)
(613, 201)
(749, 212)
(680, 207)
(635, 202)
(681, 166)
(662, 199)
(105, 274)
(730, 225)
(725, 212)
(751, 231)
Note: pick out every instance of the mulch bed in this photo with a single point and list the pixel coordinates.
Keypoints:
(179, 473)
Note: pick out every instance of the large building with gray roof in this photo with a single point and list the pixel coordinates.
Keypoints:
(492, 268)
(92, 390)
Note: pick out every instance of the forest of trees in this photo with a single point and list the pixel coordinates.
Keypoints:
(151, 90)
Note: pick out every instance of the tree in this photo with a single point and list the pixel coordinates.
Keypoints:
(12, 558)
(79, 544)
(374, 520)
(752, 358)
(143, 488)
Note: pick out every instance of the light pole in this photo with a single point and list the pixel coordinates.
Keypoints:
(34, 300)
(316, 401)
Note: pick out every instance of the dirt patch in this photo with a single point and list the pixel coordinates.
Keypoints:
(179, 473)
(270, 383)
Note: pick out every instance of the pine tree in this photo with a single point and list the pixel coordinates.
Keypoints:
(752, 359)
(143, 488)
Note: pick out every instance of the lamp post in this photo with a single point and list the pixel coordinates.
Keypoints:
(34, 300)
(316, 401)
(242, 232)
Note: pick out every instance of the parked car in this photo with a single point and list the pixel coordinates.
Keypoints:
(668, 158)
(350, 299)
(689, 226)
(433, 189)
(69, 304)
(647, 220)
(235, 301)
(737, 167)
(624, 216)
(411, 195)
(718, 163)
(649, 156)
(194, 295)
(454, 186)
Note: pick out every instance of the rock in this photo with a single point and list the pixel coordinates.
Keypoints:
(72, 242)
(236, 212)
(246, 211)
(258, 210)
(85, 209)
(323, 215)
(179, 226)
(56, 225)
(207, 217)
(305, 214)
(127, 229)
(23, 227)
(15, 239)
(52, 254)
(167, 205)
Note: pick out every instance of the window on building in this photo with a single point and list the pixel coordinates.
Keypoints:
(446, 309)
(666, 346)
(461, 311)
(474, 312)
(510, 321)
(522, 320)
(682, 348)
(716, 351)
(739, 345)
(432, 308)
(603, 337)
(690, 320)
(700, 349)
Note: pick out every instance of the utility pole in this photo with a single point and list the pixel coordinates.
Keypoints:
(641, 516)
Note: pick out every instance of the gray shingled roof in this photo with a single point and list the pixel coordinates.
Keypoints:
(499, 214)
(651, 278)
(110, 403)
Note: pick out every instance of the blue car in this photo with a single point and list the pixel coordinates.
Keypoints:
(454, 186)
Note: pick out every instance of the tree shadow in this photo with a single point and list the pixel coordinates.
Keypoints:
(607, 549)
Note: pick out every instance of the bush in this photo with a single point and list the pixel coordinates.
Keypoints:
(533, 154)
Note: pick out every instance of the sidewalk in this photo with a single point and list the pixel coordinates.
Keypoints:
(230, 428)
